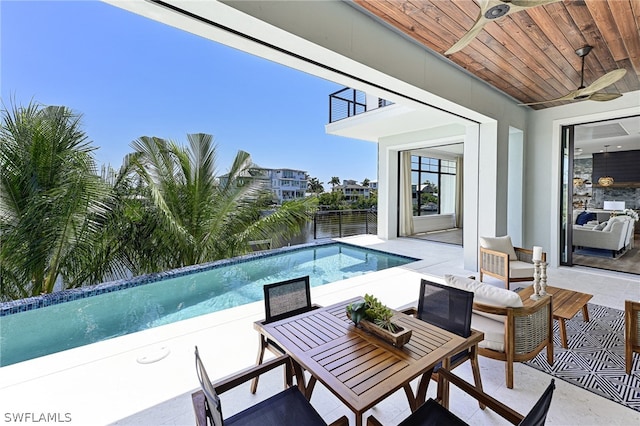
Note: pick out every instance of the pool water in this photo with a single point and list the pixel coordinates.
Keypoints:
(39, 332)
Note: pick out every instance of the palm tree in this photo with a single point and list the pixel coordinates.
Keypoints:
(63, 226)
(189, 214)
(51, 200)
(366, 182)
(315, 186)
(335, 180)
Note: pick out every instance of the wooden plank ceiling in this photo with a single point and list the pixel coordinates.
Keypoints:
(529, 55)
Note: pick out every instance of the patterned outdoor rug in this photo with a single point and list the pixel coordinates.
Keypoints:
(595, 358)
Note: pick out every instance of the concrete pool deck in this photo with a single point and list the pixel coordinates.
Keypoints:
(104, 383)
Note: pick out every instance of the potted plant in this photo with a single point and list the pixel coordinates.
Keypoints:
(371, 315)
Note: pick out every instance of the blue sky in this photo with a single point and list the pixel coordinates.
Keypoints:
(130, 76)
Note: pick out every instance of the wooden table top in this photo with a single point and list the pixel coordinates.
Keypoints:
(359, 368)
(566, 303)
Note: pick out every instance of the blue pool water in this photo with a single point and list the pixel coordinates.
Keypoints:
(50, 329)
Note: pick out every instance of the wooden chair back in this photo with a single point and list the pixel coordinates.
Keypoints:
(211, 401)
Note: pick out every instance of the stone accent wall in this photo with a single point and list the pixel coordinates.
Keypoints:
(631, 197)
(583, 168)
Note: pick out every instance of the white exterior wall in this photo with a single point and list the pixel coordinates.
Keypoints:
(516, 188)
(372, 102)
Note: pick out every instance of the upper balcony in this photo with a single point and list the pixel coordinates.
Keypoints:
(349, 102)
(357, 115)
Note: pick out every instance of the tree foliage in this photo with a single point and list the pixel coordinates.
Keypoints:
(63, 225)
(179, 212)
(51, 200)
(315, 186)
(332, 200)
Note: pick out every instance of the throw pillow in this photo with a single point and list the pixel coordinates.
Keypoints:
(501, 244)
(600, 226)
(585, 217)
(485, 293)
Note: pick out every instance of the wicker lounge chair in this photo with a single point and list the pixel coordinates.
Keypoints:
(499, 259)
(528, 330)
(512, 332)
(631, 332)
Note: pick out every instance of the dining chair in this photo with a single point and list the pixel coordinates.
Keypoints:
(288, 407)
(500, 259)
(433, 414)
(283, 299)
(449, 308)
(631, 332)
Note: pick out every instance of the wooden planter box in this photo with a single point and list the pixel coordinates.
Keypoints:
(397, 339)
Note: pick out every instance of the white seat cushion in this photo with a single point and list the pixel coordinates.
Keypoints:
(485, 293)
(519, 269)
(501, 244)
(493, 332)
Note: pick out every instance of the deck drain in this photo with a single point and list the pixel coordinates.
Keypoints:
(154, 356)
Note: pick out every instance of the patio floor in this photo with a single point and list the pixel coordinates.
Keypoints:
(103, 383)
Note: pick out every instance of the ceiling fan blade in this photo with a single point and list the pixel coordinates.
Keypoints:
(469, 36)
(602, 97)
(568, 97)
(606, 80)
(491, 10)
(532, 3)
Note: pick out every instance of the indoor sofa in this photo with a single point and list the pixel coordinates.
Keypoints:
(614, 235)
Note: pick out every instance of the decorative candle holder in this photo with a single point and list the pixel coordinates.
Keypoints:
(543, 279)
(536, 280)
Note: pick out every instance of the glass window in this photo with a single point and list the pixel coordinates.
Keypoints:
(433, 185)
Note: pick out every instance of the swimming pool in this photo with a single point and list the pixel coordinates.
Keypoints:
(176, 295)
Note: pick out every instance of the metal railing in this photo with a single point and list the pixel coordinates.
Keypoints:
(343, 223)
(348, 102)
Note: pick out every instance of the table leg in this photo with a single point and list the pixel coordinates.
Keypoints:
(585, 313)
(563, 332)
(358, 419)
(443, 394)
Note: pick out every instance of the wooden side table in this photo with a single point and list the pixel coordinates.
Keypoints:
(565, 305)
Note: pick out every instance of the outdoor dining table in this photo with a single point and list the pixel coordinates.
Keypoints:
(359, 368)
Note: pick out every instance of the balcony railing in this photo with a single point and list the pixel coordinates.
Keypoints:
(348, 102)
(343, 223)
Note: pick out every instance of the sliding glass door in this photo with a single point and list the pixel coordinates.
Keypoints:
(566, 198)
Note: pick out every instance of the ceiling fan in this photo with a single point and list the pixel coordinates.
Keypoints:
(592, 91)
(491, 10)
